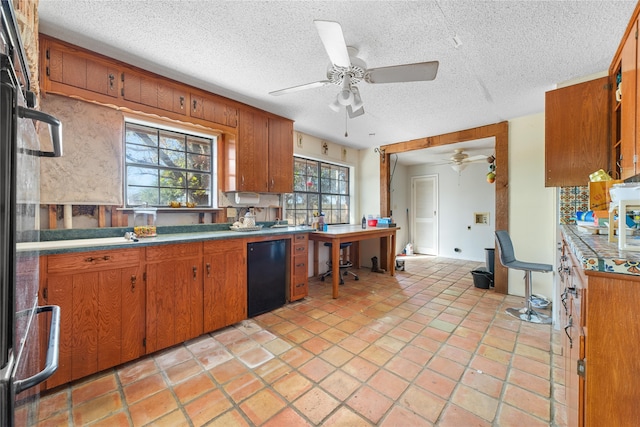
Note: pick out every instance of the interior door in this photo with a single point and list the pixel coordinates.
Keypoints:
(424, 208)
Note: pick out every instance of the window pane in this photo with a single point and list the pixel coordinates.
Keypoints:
(142, 176)
(198, 162)
(173, 159)
(141, 154)
(301, 201)
(172, 140)
(288, 203)
(140, 195)
(141, 135)
(170, 178)
(168, 195)
(198, 145)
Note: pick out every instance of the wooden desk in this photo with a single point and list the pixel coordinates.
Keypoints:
(337, 234)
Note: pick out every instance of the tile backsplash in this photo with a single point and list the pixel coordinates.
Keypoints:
(572, 200)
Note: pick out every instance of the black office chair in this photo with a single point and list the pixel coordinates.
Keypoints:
(508, 259)
(345, 264)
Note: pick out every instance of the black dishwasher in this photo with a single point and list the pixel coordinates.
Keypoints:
(266, 276)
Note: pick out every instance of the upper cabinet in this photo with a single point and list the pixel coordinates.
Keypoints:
(576, 132)
(72, 71)
(261, 158)
(65, 66)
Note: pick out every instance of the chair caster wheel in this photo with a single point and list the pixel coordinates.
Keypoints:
(357, 278)
(322, 279)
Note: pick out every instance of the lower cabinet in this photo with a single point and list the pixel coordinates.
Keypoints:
(174, 294)
(101, 295)
(225, 283)
(601, 328)
(117, 305)
(299, 286)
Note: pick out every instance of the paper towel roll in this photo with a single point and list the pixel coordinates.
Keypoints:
(247, 198)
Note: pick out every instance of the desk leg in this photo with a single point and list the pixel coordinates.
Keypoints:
(335, 265)
(315, 258)
(392, 254)
(354, 254)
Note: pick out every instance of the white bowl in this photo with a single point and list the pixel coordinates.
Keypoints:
(630, 191)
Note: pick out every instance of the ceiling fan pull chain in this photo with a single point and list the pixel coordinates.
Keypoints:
(346, 123)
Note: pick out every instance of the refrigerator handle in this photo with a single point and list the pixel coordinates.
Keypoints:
(51, 364)
(54, 125)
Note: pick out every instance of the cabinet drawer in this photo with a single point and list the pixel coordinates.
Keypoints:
(94, 261)
(300, 244)
(215, 246)
(300, 268)
(300, 238)
(181, 250)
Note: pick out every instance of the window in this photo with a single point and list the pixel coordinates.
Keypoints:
(318, 187)
(164, 166)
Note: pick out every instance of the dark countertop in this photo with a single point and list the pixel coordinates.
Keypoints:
(596, 253)
(77, 240)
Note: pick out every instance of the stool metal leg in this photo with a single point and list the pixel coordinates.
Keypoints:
(527, 313)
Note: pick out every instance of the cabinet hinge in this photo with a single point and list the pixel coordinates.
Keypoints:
(45, 294)
(144, 342)
(635, 158)
(48, 73)
(48, 54)
(144, 276)
(582, 368)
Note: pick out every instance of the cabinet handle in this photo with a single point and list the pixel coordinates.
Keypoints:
(195, 103)
(301, 248)
(566, 331)
(242, 180)
(103, 258)
(300, 265)
(133, 283)
(195, 272)
(111, 79)
(299, 285)
(182, 102)
(208, 270)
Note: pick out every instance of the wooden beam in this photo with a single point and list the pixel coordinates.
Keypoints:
(499, 131)
(102, 218)
(53, 217)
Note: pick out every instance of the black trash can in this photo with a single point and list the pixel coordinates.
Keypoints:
(490, 256)
(482, 278)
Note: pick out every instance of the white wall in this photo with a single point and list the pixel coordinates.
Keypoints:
(532, 206)
(459, 197)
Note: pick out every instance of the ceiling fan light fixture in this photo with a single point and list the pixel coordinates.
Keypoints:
(458, 167)
(345, 97)
(335, 105)
(357, 103)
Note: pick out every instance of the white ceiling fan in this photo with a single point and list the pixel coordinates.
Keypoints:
(459, 159)
(346, 70)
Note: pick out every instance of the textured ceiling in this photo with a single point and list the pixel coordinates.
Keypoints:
(512, 52)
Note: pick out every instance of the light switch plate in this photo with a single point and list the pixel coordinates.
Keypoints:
(231, 212)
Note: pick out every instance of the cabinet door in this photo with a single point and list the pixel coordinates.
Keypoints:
(628, 105)
(174, 294)
(225, 283)
(213, 110)
(280, 156)
(102, 321)
(252, 152)
(75, 70)
(576, 133)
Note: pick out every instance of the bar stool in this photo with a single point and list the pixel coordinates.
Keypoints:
(345, 264)
(508, 259)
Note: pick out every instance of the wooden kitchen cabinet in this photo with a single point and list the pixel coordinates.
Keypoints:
(576, 132)
(101, 295)
(225, 283)
(79, 72)
(174, 294)
(299, 286)
(156, 93)
(280, 156)
(213, 110)
(261, 158)
(601, 329)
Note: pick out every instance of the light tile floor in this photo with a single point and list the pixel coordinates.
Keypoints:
(423, 348)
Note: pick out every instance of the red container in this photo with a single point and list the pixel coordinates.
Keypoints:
(372, 222)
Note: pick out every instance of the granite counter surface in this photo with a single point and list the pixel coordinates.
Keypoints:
(596, 253)
(77, 240)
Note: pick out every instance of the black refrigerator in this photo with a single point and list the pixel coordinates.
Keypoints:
(22, 343)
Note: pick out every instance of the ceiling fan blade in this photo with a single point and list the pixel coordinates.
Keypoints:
(356, 113)
(333, 40)
(300, 87)
(477, 158)
(421, 71)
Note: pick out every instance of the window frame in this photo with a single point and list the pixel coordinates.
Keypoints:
(292, 213)
(186, 132)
